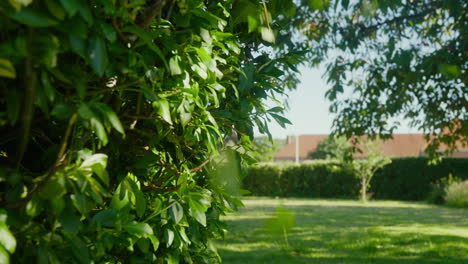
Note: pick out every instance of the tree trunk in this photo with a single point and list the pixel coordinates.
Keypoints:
(363, 189)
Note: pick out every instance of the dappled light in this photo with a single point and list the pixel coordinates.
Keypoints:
(347, 231)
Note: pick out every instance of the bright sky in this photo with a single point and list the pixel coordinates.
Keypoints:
(309, 109)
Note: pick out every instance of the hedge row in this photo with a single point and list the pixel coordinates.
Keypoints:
(403, 179)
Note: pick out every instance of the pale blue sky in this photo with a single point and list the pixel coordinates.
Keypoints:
(308, 108)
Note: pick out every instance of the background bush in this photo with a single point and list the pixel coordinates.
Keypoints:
(457, 194)
(403, 179)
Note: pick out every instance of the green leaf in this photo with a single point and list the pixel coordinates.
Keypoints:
(111, 117)
(138, 229)
(155, 241)
(80, 250)
(6, 69)
(108, 31)
(70, 221)
(148, 40)
(317, 4)
(34, 18)
(100, 130)
(53, 189)
(164, 110)
(277, 109)
(48, 89)
(149, 94)
(71, 6)
(62, 111)
(55, 9)
(4, 256)
(450, 71)
(169, 236)
(7, 240)
(281, 120)
(177, 212)
(78, 45)
(252, 23)
(107, 217)
(140, 203)
(281, 222)
(97, 163)
(98, 55)
(18, 4)
(267, 34)
(197, 210)
(34, 207)
(174, 65)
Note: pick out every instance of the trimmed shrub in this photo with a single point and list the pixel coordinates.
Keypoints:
(457, 194)
(403, 179)
(312, 179)
(413, 178)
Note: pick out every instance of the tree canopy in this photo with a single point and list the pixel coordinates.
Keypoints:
(402, 59)
(333, 147)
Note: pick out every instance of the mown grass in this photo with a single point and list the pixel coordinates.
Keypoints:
(342, 231)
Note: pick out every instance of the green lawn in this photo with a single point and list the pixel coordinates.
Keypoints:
(344, 231)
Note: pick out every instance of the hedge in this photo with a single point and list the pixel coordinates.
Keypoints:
(403, 179)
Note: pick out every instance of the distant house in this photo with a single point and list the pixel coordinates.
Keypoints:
(402, 145)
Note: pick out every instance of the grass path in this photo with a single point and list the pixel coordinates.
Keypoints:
(348, 232)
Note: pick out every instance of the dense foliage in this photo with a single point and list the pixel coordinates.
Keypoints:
(403, 179)
(413, 179)
(398, 59)
(264, 148)
(114, 114)
(333, 147)
(457, 194)
(320, 178)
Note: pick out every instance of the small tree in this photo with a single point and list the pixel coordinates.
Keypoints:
(332, 148)
(366, 168)
(265, 149)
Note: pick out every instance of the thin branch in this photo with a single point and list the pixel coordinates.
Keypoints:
(28, 105)
(152, 12)
(200, 167)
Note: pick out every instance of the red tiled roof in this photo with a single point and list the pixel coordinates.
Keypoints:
(402, 145)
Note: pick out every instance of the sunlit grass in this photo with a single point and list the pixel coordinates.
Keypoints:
(345, 231)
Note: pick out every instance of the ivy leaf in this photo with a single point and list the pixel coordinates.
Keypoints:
(6, 69)
(98, 55)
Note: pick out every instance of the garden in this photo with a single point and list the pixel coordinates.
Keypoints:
(305, 221)
(127, 129)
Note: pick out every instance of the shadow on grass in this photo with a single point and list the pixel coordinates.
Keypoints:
(350, 233)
